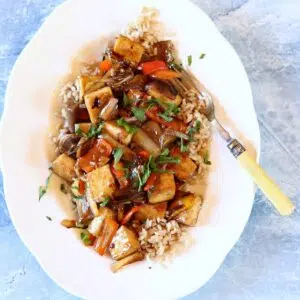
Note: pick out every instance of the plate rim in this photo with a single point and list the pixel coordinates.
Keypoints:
(5, 116)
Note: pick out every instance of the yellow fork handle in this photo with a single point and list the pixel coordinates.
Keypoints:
(281, 202)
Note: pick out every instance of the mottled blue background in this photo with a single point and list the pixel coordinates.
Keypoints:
(265, 263)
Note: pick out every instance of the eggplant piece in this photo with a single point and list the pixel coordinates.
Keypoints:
(137, 256)
(100, 184)
(164, 50)
(162, 91)
(145, 142)
(68, 143)
(64, 167)
(117, 132)
(97, 223)
(138, 82)
(151, 211)
(130, 50)
(124, 243)
(153, 130)
(95, 101)
(164, 189)
(110, 110)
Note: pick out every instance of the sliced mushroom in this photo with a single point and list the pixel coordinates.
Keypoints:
(110, 110)
(68, 143)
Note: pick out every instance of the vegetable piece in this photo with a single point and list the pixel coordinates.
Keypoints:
(175, 124)
(206, 158)
(97, 156)
(105, 65)
(164, 189)
(87, 238)
(166, 75)
(151, 211)
(137, 83)
(124, 243)
(128, 154)
(144, 154)
(202, 55)
(150, 67)
(43, 189)
(110, 110)
(150, 182)
(68, 223)
(164, 51)
(88, 84)
(160, 90)
(82, 128)
(64, 166)
(128, 127)
(119, 171)
(186, 209)
(190, 60)
(96, 225)
(195, 129)
(110, 228)
(130, 214)
(100, 184)
(130, 50)
(145, 142)
(118, 132)
(139, 113)
(137, 256)
(153, 130)
(95, 101)
(185, 169)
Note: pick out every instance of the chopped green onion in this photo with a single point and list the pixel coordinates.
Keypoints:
(190, 60)
(118, 153)
(202, 55)
(206, 158)
(139, 113)
(128, 127)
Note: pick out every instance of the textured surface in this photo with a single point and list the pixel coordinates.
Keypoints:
(264, 264)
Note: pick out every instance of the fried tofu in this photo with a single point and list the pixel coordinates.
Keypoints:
(118, 132)
(164, 189)
(64, 166)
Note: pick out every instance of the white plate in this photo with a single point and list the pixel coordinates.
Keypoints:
(24, 163)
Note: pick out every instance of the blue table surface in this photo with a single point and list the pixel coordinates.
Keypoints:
(265, 262)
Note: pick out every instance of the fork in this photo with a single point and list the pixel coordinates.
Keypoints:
(280, 201)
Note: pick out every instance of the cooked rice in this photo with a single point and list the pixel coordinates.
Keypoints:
(70, 92)
(191, 112)
(157, 237)
(146, 29)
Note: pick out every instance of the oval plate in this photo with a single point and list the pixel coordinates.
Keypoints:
(35, 77)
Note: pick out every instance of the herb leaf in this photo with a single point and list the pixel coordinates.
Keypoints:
(50, 219)
(183, 146)
(105, 202)
(165, 158)
(128, 127)
(190, 60)
(206, 158)
(94, 130)
(139, 113)
(43, 189)
(175, 66)
(165, 117)
(202, 55)
(85, 237)
(194, 129)
(126, 101)
(78, 130)
(118, 153)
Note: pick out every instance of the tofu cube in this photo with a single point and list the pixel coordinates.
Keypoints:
(185, 169)
(130, 50)
(95, 101)
(164, 189)
(97, 223)
(124, 243)
(117, 132)
(100, 184)
(64, 166)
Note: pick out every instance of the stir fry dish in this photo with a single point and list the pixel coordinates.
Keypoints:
(129, 145)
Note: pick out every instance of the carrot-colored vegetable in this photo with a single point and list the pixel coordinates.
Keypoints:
(150, 67)
(175, 124)
(166, 74)
(68, 223)
(98, 154)
(129, 215)
(81, 187)
(103, 241)
(144, 154)
(105, 65)
(150, 182)
(119, 171)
